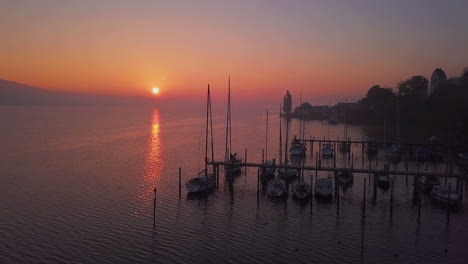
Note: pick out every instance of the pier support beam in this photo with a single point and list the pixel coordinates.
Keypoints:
(180, 181)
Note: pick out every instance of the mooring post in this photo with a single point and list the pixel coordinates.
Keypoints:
(419, 207)
(364, 198)
(316, 165)
(180, 181)
(312, 146)
(391, 199)
(362, 153)
(334, 161)
(337, 198)
(217, 176)
(406, 165)
(377, 157)
(263, 156)
(258, 187)
(320, 148)
(449, 203)
(352, 160)
(245, 168)
(154, 209)
(312, 190)
(374, 185)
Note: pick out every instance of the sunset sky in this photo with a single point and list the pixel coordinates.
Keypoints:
(330, 50)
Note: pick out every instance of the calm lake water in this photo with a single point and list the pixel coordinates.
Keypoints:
(76, 186)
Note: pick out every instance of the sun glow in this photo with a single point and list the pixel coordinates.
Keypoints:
(155, 90)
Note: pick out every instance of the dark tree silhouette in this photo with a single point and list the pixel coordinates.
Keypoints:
(415, 87)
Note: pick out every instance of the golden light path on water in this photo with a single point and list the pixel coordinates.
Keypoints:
(153, 165)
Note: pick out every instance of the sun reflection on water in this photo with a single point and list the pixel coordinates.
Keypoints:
(153, 161)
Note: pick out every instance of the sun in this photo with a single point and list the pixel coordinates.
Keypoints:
(155, 90)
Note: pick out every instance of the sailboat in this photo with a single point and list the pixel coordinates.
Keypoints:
(298, 148)
(286, 172)
(327, 148)
(383, 179)
(233, 162)
(324, 188)
(269, 165)
(204, 181)
(278, 187)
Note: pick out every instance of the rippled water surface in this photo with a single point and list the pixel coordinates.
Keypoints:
(76, 186)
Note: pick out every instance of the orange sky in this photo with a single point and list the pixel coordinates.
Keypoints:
(325, 49)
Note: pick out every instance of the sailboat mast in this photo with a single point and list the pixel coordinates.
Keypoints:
(206, 130)
(211, 131)
(280, 142)
(229, 105)
(226, 154)
(266, 137)
(286, 139)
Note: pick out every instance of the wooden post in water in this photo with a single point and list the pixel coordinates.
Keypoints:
(217, 176)
(258, 187)
(320, 148)
(312, 190)
(337, 192)
(263, 156)
(180, 181)
(377, 157)
(316, 165)
(352, 160)
(362, 153)
(406, 164)
(245, 168)
(312, 147)
(364, 198)
(448, 206)
(391, 199)
(154, 209)
(419, 207)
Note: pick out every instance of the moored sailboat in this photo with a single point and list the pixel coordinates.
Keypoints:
(204, 181)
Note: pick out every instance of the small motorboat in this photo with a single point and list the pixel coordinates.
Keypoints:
(382, 180)
(301, 190)
(297, 148)
(277, 188)
(426, 183)
(442, 194)
(287, 173)
(328, 150)
(324, 188)
(201, 183)
(423, 154)
(234, 165)
(345, 178)
(393, 153)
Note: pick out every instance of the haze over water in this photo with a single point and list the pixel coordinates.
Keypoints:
(77, 185)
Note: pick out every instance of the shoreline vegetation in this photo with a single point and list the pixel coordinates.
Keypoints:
(439, 105)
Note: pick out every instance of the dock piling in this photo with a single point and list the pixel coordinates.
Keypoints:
(154, 208)
(180, 181)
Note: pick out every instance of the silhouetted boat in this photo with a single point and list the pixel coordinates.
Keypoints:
(393, 153)
(423, 154)
(297, 148)
(277, 187)
(301, 190)
(383, 180)
(233, 166)
(442, 194)
(324, 188)
(462, 159)
(269, 169)
(345, 178)
(426, 183)
(328, 150)
(205, 182)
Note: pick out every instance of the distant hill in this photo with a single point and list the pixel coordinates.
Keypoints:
(13, 93)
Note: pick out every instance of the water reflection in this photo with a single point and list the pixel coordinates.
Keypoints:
(153, 162)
